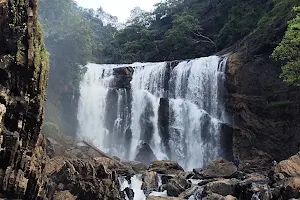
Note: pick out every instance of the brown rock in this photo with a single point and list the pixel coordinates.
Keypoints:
(293, 182)
(165, 167)
(229, 197)
(176, 186)
(217, 169)
(137, 167)
(55, 164)
(149, 182)
(290, 167)
(63, 195)
(109, 163)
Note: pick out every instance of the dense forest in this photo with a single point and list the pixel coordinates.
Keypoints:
(175, 30)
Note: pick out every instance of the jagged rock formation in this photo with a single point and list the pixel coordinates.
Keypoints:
(23, 76)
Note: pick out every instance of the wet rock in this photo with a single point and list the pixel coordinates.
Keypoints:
(176, 186)
(145, 154)
(63, 195)
(162, 198)
(253, 183)
(129, 192)
(223, 187)
(165, 167)
(219, 168)
(137, 167)
(290, 167)
(122, 77)
(149, 182)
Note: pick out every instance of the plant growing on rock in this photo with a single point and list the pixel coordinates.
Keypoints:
(288, 51)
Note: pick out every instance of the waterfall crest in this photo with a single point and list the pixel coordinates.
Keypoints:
(176, 108)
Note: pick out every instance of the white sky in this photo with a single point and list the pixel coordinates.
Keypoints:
(119, 8)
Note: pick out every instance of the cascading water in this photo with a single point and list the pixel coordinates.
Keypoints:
(176, 109)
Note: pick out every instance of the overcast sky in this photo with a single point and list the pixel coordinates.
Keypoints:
(119, 8)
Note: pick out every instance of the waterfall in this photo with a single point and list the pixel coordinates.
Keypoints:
(176, 108)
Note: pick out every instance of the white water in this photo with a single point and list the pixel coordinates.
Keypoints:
(136, 184)
(195, 110)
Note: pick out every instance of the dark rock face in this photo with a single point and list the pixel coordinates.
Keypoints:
(122, 77)
(217, 169)
(145, 154)
(176, 186)
(264, 110)
(23, 76)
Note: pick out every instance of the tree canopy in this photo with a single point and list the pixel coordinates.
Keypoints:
(288, 51)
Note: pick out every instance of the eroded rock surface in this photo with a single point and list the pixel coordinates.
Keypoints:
(23, 74)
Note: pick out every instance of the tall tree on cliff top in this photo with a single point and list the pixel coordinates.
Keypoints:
(288, 51)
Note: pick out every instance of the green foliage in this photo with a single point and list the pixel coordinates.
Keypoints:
(182, 29)
(73, 36)
(288, 51)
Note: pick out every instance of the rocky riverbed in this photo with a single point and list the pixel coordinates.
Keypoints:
(81, 171)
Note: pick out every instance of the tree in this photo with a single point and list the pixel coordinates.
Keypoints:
(288, 51)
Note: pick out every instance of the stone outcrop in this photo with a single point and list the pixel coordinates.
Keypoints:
(23, 75)
(290, 167)
(83, 179)
(165, 167)
(149, 182)
(217, 169)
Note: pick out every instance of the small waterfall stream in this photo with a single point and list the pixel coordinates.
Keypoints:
(176, 108)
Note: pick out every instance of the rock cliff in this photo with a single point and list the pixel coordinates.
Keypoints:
(23, 76)
(264, 110)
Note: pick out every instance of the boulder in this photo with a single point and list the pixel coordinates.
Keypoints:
(162, 198)
(63, 195)
(214, 196)
(219, 168)
(165, 167)
(149, 182)
(223, 187)
(137, 167)
(293, 182)
(176, 186)
(186, 175)
(145, 154)
(189, 192)
(108, 162)
(230, 197)
(290, 167)
(253, 183)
